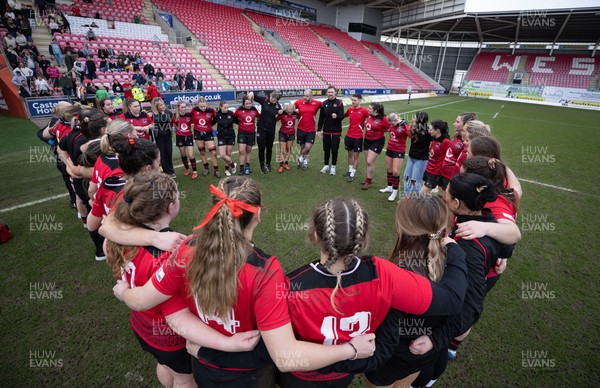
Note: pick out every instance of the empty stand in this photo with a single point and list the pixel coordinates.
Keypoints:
(117, 10)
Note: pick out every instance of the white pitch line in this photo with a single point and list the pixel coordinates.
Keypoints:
(33, 202)
(502, 106)
(435, 106)
(547, 185)
(496, 115)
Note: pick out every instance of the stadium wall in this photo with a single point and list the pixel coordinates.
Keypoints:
(359, 14)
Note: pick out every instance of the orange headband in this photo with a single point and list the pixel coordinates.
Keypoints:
(237, 207)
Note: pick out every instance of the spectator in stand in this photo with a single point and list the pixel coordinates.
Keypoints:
(139, 78)
(29, 60)
(90, 34)
(97, 15)
(9, 14)
(103, 52)
(31, 47)
(191, 83)
(66, 84)
(25, 72)
(159, 73)
(136, 19)
(179, 78)
(53, 74)
(70, 55)
(75, 74)
(90, 68)
(9, 40)
(127, 86)
(101, 94)
(104, 65)
(21, 40)
(162, 85)
(90, 94)
(117, 87)
(112, 65)
(12, 56)
(56, 51)
(44, 65)
(24, 90)
(87, 51)
(15, 6)
(152, 91)
(149, 71)
(76, 11)
(25, 28)
(11, 27)
(39, 71)
(18, 78)
(54, 27)
(173, 85)
(110, 51)
(42, 87)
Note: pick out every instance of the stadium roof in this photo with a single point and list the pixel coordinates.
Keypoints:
(557, 26)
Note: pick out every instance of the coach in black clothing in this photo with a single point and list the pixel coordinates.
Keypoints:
(330, 127)
(266, 126)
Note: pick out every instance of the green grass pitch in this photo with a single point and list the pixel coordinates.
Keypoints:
(540, 326)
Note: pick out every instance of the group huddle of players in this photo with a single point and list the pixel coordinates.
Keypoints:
(245, 322)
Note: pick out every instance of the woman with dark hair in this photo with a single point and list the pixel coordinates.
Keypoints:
(162, 119)
(438, 130)
(418, 153)
(226, 136)
(117, 87)
(245, 117)
(375, 128)
(456, 153)
(141, 121)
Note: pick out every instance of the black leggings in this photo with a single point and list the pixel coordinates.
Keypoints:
(81, 191)
(265, 140)
(164, 142)
(66, 178)
(288, 380)
(331, 145)
(433, 371)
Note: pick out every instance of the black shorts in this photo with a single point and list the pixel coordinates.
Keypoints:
(180, 360)
(209, 377)
(394, 155)
(401, 366)
(204, 136)
(375, 145)
(226, 139)
(284, 137)
(184, 141)
(444, 182)
(288, 380)
(432, 181)
(353, 144)
(246, 138)
(305, 137)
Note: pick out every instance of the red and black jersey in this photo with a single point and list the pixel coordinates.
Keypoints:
(202, 120)
(288, 123)
(259, 306)
(307, 114)
(357, 118)
(104, 167)
(450, 167)
(376, 127)
(398, 136)
(183, 124)
(437, 153)
(502, 209)
(107, 196)
(246, 119)
(150, 325)
(72, 144)
(139, 121)
(61, 129)
(371, 287)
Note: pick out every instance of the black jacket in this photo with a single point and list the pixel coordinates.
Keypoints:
(224, 123)
(268, 114)
(326, 123)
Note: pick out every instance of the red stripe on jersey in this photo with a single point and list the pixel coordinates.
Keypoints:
(450, 167)
(141, 121)
(398, 136)
(357, 117)
(202, 120)
(104, 167)
(307, 113)
(288, 123)
(437, 152)
(376, 127)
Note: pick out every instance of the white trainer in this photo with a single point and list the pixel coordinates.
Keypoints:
(325, 170)
(393, 196)
(387, 189)
(332, 170)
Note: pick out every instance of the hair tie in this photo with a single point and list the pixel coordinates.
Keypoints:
(481, 188)
(131, 141)
(237, 207)
(435, 236)
(127, 199)
(492, 163)
(76, 116)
